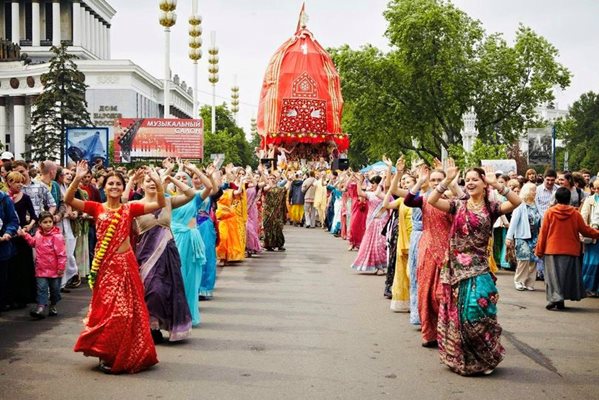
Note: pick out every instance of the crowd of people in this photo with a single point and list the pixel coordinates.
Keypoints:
(148, 242)
(441, 236)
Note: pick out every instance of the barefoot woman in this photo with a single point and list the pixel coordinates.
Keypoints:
(116, 328)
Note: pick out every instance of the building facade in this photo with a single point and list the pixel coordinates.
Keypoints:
(117, 88)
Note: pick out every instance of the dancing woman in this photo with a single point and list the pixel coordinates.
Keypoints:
(401, 282)
(116, 328)
(189, 241)
(372, 255)
(432, 250)
(468, 331)
(160, 264)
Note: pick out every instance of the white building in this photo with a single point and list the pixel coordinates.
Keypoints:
(532, 136)
(116, 87)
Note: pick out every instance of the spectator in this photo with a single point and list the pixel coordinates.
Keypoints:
(559, 246)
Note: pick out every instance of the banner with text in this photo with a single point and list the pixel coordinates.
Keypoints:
(155, 138)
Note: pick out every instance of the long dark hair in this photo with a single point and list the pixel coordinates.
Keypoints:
(482, 175)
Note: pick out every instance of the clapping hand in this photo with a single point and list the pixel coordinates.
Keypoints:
(490, 177)
(387, 161)
(452, 171)
(437, 164)
(424, 173)
(82, 169)
(400, 164)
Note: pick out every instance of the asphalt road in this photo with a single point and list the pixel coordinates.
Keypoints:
(303, 325)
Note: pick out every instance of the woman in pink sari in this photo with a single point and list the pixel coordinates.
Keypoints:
(254, 192)
(359, 212)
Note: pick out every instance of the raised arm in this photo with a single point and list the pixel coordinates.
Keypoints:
(513, 200)
(139, 173)
(69, 196)
(435, 199)
(187, 193)
(160, 200)
(193, 170)
(396, 190)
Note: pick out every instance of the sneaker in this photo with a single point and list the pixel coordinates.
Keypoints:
(519, 286)
(52, 312)
(37, 313)
(530, 288)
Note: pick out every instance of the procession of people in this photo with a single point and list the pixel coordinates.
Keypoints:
(161, 232)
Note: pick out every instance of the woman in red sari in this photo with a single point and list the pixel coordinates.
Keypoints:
(116, 327)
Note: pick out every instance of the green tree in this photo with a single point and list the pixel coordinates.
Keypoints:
(480, 151)
(440, 64)
(61, 105)
(228, 139)
(580, 131)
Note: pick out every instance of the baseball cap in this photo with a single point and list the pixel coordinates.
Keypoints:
(7, 155)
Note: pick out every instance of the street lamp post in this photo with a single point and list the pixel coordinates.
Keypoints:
(235, 99)
(195, 52)
(213, 74)
(167, 19)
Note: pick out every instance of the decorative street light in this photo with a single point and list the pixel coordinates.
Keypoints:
(195, 51)
(167, 18)
(235, 98)
(213, 74)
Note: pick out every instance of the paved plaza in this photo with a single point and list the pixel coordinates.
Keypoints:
(302, 325)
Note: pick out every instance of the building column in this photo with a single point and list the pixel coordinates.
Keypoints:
(3, 127)
(35, 23)
(107, 33)
(89, 28)
(16, 23)
(19, 127)
(76, 23)
(56, 30)
(102, 52)
(96, 28)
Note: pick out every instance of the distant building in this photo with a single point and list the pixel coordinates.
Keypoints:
(535, 143)
(117, 88)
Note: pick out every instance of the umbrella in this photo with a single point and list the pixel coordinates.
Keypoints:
(377, 167)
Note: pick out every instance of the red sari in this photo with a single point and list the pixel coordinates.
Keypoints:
(359, 212)
(117, 327)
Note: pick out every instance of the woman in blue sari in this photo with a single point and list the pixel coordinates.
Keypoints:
(192, 250)
(205, 220)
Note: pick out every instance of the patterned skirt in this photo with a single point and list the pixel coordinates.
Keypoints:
(372, 254)
(117, 325)
(468, 331)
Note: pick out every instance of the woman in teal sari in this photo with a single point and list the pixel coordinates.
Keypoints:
(188, 239)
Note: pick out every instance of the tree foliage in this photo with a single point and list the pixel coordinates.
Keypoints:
(480, 151)
(441, 63)
(229, 139)
(580, 132)
(61, 105)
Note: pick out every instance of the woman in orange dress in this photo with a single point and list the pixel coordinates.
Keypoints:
(116, 327)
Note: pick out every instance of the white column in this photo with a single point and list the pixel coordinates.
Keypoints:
(16, 23)
(98, 30)
(76, 23)
(35, 23)
(83, 25)
(19, 127)
(90, 35)
(86, 27)
(55, 23)
(3, 126)
(103, 43)
(107, 33)
(95, 34)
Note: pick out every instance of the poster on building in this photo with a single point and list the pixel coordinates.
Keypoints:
(90, 144)
(504, 166)
(539, 146)
(137, 139)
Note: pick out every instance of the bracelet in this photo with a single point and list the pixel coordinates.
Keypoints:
(441, 188)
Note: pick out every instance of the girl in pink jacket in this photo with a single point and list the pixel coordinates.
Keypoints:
(50, 262)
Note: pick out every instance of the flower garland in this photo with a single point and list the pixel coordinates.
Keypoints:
(99, 256)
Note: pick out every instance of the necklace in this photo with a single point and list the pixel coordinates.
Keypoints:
(475, 206)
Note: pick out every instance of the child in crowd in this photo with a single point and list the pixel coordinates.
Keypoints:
(50, 263)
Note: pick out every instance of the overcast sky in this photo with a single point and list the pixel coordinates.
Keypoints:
(248, 33)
